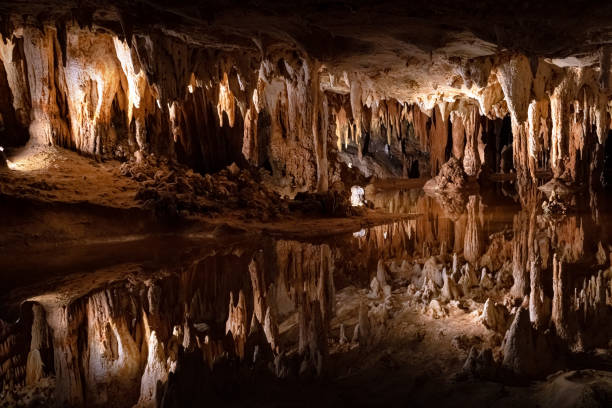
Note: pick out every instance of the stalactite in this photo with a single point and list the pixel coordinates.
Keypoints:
(136, 89)
(92, 80)
(437, 141)
(537, 132)
(320, 117)
(226, 102)
(11, 54)
(47, 126)
(341, 128)
(458, 132)
(515, 77)
(356, 109)
(471, 157)
(250, 143)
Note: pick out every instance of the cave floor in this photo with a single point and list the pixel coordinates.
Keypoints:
(56, 196)
(53, 174)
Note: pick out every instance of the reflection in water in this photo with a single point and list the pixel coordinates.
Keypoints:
(541, 284)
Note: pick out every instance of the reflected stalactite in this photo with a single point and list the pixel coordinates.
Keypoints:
(473, 245)
(276, 305)
(64, 322)
(233, 144)
(523, 225)
(539, 303)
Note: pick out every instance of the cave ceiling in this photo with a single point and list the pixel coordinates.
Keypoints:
(405, 50)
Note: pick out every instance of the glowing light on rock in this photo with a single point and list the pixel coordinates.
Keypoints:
(241, 83)
(256, 100)
(226, 103)
(357, 196)
(359, 234)
(136, 80)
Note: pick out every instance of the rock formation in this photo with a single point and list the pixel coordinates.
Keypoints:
(206, 199)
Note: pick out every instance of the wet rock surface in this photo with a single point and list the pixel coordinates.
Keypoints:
(284, 314)
(309, 204)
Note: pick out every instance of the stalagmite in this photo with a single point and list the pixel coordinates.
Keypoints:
(450, 289)
(342, 336)
(495, 316)
(539, 303)
(34, 368)
(525, 351)
(538, 132)
(364, 326)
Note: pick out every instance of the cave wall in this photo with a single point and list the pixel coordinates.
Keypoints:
(125, 95)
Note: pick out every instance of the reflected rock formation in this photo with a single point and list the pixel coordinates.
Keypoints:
(328, 204)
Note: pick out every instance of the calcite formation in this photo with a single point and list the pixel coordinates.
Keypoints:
(205, 199)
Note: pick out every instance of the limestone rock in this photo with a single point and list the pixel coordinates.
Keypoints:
(495, 316)
(451, 177)
(527, 352)
(364, 326)
(432, 270)
(450, 290)
(155, 372)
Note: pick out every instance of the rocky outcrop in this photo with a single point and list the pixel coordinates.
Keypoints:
(451, 177)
